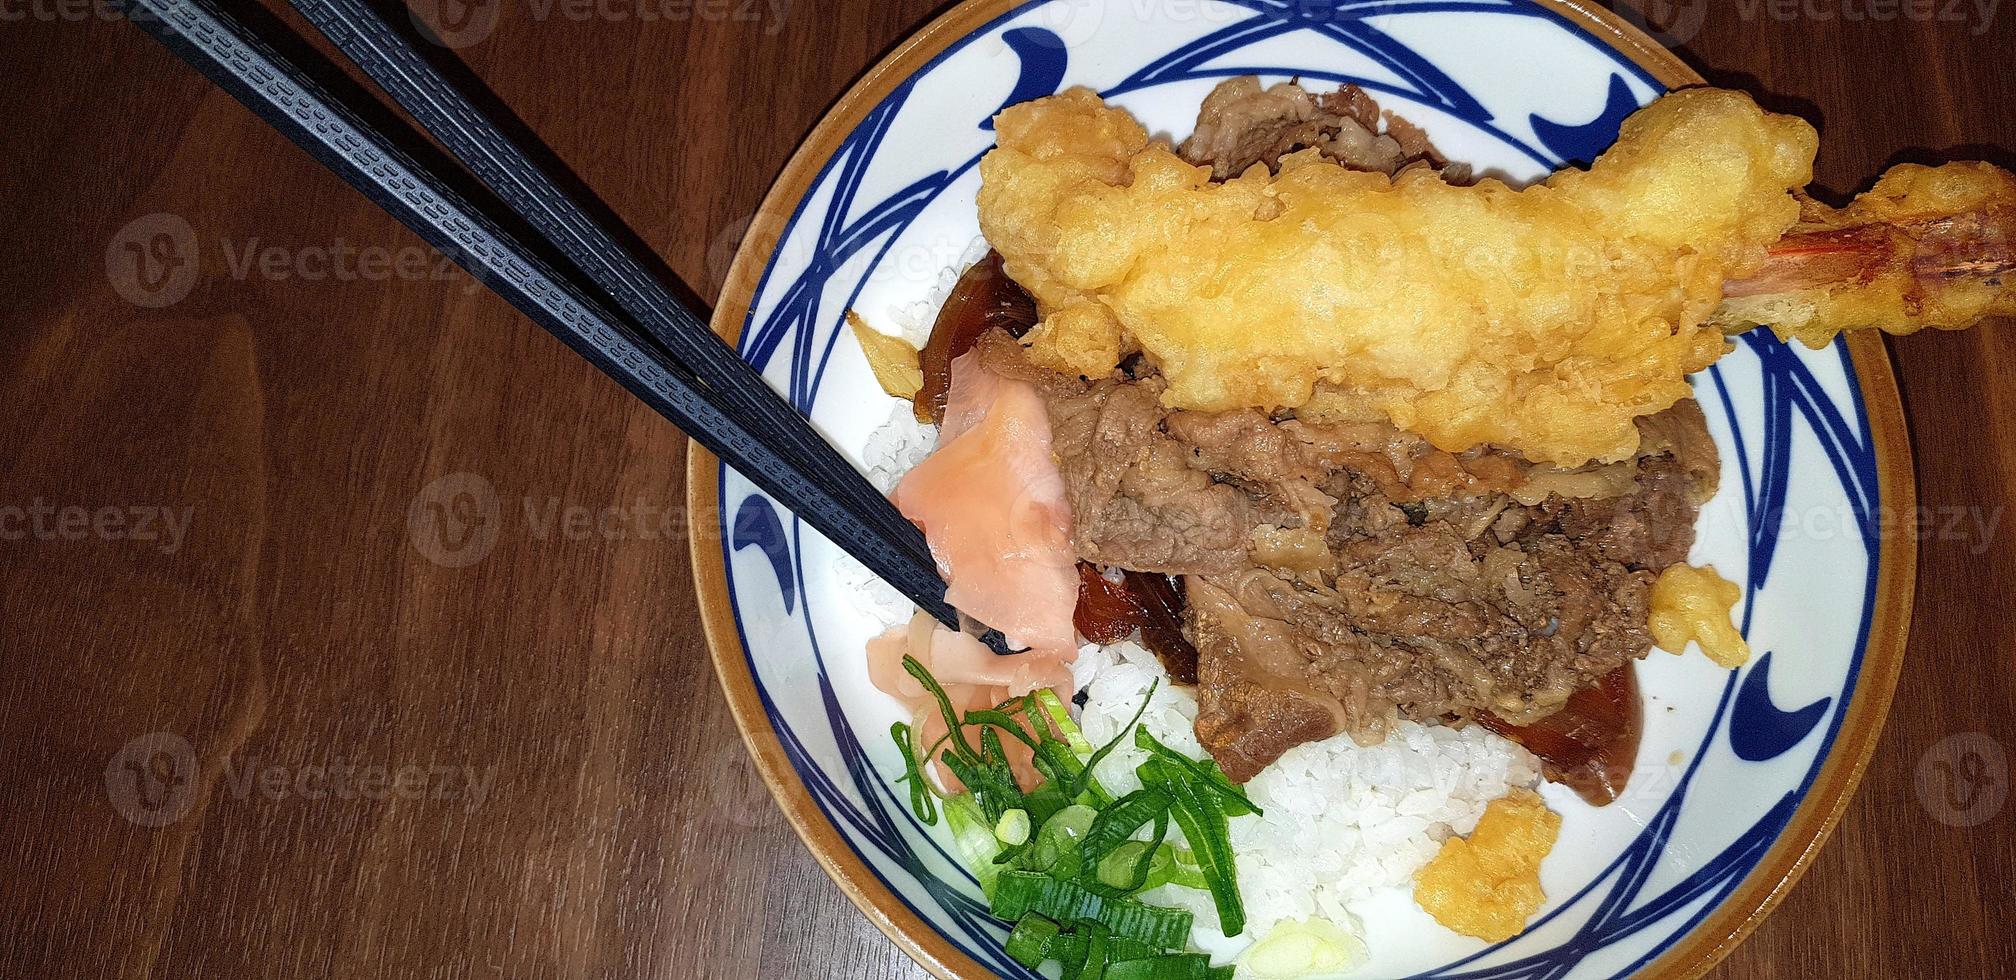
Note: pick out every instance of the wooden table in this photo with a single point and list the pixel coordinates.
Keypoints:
(521, 767)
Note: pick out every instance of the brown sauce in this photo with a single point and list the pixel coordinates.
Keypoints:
(1109, 612)
(984, 299)
(1591, 744)
(1162, 630)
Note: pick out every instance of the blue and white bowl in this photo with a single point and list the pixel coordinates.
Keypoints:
(1740, 776)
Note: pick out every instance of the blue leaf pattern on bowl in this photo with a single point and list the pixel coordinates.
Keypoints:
(756, 524)
(1760, 730)
(1580, 144)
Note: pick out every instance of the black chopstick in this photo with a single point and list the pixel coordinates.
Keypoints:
(280, 92)
(389, 58)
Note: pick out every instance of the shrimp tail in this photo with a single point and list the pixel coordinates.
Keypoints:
(1926, 247)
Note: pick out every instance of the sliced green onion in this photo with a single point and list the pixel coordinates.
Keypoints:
(1107, 749)
(1069, 949)
(1018, 893)
(1013, 705)
(1043, 802)
(1114, 867)
(1130, 864)
(1058, 760)
(1200, 812)
(1161, 869)
(1072, 822)
(1060, 716)
(992, 785)
(1159, 927)
(1146, 862)
(1061, 835)
(1002, 720)
(1039, 720)
(1169, 966)
(1206, 774)
(921, 793)
(1217, 773)
(1029, 944)
(1094, 966)
(1120, 948)
(973, 837)
(1069, 865)
(1055, 760)
(1004, 790)
(936, 747)
(918, 670)
(1183, 870)
(1068, 886)
(1168, 868)
(1118, 822)
(1013, 828)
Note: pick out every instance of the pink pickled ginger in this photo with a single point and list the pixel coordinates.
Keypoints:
(972, 680)
(993, 508)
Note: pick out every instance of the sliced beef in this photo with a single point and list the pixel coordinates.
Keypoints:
(1441, 608)
(1250, 718)
(1653, 526)
(1141, 497)
(1136, 499)
(1265, 459)
(1241, 124)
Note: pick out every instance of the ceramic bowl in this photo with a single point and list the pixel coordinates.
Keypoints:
(1740, 775)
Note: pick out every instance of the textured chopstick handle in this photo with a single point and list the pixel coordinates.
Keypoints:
(280, 93)
(403, 72)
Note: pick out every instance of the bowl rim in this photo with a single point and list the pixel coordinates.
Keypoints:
(1697, 951)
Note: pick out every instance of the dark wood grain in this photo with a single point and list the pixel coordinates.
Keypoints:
(604, 821)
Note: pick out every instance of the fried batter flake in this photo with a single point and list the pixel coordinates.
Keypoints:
(1695, 604)
(1488, 885)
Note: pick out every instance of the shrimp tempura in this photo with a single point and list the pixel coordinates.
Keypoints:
(1542, 319)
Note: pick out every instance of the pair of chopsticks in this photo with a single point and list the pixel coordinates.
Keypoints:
(563, 270)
